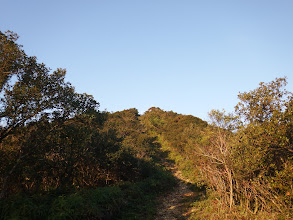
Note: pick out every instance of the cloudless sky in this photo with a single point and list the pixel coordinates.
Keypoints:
(188, 56)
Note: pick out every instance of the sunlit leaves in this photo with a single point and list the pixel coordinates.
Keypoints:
(265, 103)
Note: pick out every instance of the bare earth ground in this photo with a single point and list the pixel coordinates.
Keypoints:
(174, 205)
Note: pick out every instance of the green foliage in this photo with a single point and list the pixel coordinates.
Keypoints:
(131, 130)
(177, 134)
(250, 169)
(77, 153)
(127, 201)
(35, 92)
(52, 137)
(60, 158)
(29, 93)
(11, 57)
(264, 104)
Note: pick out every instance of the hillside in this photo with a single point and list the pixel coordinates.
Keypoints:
(63, 158)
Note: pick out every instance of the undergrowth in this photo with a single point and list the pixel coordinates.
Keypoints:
(124, 201)
(210, 207)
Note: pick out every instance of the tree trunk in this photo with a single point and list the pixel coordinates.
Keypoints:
(230, 179)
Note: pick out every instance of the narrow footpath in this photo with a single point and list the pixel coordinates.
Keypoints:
(174, 205)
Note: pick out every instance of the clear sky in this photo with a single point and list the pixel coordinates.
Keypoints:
(188, 56)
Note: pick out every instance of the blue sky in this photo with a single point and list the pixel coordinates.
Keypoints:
(186, 56)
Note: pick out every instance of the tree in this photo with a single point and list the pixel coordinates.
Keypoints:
(29, 92)
(264, 104)
(215, 155)
(264, 149)
(11, 57)
(267, 118)
(246, 157)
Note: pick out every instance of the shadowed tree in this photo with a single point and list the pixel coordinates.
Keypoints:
(29, 92)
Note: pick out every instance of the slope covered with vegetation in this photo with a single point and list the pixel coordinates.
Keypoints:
(243, 160)
(62, 158)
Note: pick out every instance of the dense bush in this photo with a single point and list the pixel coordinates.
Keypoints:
(126, 201)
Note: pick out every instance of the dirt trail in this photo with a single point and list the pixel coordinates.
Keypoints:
(172, 205)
